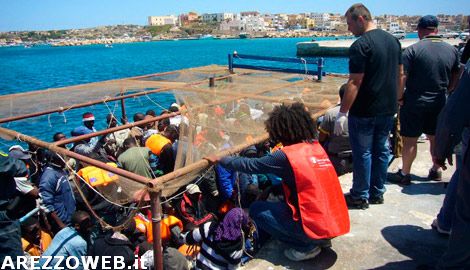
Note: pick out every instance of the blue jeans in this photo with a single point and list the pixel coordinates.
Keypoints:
(276, 220)
(444, 218)
(370, 148)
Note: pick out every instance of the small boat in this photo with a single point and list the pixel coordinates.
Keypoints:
(206, 37)
(108, 45)
(244, 35)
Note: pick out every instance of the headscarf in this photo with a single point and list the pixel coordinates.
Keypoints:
(230, 229)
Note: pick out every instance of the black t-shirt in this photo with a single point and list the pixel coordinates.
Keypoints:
(377, 54)
(429, 65)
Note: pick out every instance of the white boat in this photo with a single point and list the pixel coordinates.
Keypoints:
(108, 45)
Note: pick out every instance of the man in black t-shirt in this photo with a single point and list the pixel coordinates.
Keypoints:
(375, 68)
(431, 67)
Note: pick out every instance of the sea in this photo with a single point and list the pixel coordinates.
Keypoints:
(42, 67)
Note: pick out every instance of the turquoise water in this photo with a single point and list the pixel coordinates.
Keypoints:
(26, 69)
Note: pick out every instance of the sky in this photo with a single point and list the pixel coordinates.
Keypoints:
(19, 15)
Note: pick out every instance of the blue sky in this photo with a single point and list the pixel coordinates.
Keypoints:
(67, 14)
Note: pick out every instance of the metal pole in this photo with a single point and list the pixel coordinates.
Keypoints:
(109, 130)
(80, 105)
(211, 82)
(320, 68)
(123, 111)
(11, 134)
(156, 230)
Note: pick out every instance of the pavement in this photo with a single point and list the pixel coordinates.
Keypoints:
(394, 235)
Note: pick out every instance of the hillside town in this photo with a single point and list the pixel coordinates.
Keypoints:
(249, 24)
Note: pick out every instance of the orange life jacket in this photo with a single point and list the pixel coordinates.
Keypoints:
(144, 225)
(321, 205)
(98, 177)
(156, 142)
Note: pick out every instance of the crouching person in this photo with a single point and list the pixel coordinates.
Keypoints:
(314, 210)
(221, 243)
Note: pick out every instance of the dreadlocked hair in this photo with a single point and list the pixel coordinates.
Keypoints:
(290, 124)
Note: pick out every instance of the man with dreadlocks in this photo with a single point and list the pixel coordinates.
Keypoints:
(315, 210)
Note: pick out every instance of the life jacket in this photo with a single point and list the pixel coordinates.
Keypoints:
(321, 208)
(144, 225)
(97, 177)
(156, 142)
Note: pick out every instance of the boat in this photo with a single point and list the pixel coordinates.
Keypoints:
(207, 36)
(108, 45)
(244, 35)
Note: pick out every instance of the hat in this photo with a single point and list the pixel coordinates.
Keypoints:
(81, 130)
(428, 22)
(18, 152)
(192, 189)
(88, 117)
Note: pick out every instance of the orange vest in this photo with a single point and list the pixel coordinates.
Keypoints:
(98, 177)
(323, 210)
(144, 225)
(34, 250)
(156, 142)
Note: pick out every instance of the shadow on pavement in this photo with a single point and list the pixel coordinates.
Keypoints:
(422, 246)
(325, 260)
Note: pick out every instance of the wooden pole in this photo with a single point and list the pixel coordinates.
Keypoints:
(156, 209)
(11, 134)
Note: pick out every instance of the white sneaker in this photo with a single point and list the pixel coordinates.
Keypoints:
(435, 226)
(297, 256)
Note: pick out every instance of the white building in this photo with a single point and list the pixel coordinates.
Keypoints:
(216, 17)
(162, 20)
(320, 18)
(244, 24)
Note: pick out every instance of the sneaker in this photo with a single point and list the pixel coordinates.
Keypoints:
(376, 200)
(298, 256)
(356, 203)
(399, 178)
(435, 226)
(435, 175)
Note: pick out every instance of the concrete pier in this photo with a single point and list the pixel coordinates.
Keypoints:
(393, 235)
(340, 47)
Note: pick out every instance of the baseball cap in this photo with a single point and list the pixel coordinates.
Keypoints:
(192, 189)
(81, 130)
(18, 152)
(428, 22)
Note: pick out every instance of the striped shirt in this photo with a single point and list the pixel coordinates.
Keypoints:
(208, 257)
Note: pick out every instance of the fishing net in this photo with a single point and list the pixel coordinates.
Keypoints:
(221, 110)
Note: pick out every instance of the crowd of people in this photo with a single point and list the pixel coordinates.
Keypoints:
(286, 188)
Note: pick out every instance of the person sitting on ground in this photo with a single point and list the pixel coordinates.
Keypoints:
(55, 189)
(35, 240)
(150, 128)
(115, 140)
(151, 113)
(135, 159)
(138, 131)
(337, 146)
(191, 209)
(161, 145)
(221, 243)
(115, 244)
(315, 209)
(88, 123)
(70, 241)
(86, 148)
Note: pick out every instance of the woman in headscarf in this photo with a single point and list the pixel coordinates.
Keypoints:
(221, 243)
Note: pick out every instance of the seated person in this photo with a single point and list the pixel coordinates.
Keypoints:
(115, 244)
(191, 209)
(35, 241)
(222, 246)
(336, 146)
(71, 240)
(161, 145)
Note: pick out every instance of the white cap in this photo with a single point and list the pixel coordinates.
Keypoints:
(192, 189)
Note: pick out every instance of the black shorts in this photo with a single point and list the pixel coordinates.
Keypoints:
(415, 121)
